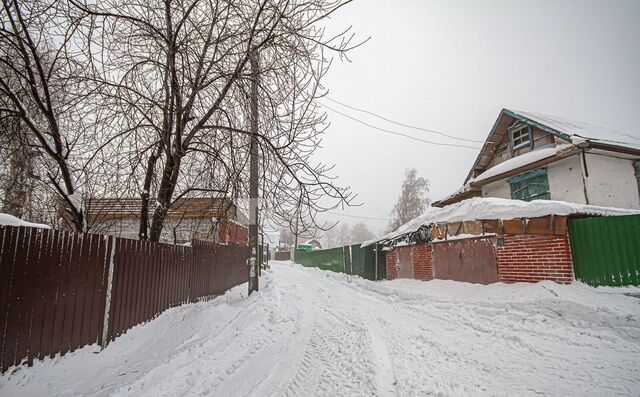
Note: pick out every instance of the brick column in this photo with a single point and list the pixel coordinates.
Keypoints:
(422, 261)
(391, 259)
(532, 258)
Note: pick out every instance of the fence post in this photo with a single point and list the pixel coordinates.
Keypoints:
(107, 301)
(344, 260)
(375, 256)
(350, 260)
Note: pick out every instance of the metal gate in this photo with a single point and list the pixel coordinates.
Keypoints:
(472, 260)
(405, 266)
(606, 250)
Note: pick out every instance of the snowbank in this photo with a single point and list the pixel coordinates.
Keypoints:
(478, 208)
(10, 220)
(310, 332)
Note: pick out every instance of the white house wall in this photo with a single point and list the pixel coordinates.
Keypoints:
(565, 180)
(185, 229)
(611, 182)
(499, 189)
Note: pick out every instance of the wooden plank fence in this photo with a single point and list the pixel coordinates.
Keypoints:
(60, 291)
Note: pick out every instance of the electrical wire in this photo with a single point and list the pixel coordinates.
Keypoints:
(402, 124)
(397, 133)
(358, 217)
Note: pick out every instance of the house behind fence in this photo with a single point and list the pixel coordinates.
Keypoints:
(61, 290)
(214, 219)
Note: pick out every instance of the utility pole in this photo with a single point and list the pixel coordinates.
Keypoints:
(295, 241)
(253, 176)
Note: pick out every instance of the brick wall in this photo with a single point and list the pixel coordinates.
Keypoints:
(532, 258)
(392, 262)
(231, 232)
(422, 262)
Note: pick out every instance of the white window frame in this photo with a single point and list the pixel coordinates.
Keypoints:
(521, 130)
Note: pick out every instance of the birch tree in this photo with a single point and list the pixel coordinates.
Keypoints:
(412, 201)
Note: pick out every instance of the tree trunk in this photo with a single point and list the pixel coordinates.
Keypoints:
(143, 231)
(165, 194)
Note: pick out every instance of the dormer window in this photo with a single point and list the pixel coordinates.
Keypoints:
(520, 136)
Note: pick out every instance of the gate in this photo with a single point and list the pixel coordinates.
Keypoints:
(472, 260)
(405, 265)
(606, 250)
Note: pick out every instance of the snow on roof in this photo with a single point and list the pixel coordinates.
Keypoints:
(10, 220)
(579, 131)
(488, 208)
(460, 190)
(520, 161)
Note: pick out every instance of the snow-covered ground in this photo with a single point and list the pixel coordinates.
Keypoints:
(310, 332)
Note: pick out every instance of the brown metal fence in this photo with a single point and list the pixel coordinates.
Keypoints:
(56, 286)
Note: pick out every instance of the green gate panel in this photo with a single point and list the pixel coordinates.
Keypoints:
(357, 260)
(606, 250)
(329, 259)
(349, 259)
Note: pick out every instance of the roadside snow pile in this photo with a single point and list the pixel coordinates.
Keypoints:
(489, 208)
(310, 332)
(10, 220)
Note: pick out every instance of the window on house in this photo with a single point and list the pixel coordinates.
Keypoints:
(530, 186)
(520, 136)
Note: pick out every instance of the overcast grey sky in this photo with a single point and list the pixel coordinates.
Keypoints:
(452, 65)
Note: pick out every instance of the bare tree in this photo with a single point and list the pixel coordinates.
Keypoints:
(175, 75)
(331, 237)
(35, 91)
(17, 170)
(150, 99)
(412, 201)
(360, 233)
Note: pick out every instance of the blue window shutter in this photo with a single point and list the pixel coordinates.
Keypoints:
(530, 186)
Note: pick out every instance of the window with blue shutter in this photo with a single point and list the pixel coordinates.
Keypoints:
(533, 185)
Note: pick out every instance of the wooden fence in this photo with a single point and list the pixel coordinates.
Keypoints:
(60, 291)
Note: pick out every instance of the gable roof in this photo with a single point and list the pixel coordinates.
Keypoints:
(575, 132)
(103, 208)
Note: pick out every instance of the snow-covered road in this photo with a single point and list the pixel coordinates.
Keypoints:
(310, 332)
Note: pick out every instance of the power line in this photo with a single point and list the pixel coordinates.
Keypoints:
(398, 133)
(402, 124)
(359, 217)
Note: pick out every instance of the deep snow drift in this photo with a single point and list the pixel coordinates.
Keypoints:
(310, 332)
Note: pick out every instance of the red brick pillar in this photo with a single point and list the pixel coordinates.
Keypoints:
(391, 259)
(531, 258)
(422, 261)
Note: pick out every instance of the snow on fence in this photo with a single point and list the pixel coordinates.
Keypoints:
(61, 290)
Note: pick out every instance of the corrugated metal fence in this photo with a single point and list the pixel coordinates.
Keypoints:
(350, 259)
(606, 250)
(61, 290)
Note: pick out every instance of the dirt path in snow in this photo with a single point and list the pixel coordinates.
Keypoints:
(312, 333)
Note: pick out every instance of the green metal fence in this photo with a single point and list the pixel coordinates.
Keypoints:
(329, 259)
(348, 259)
(606, 250)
